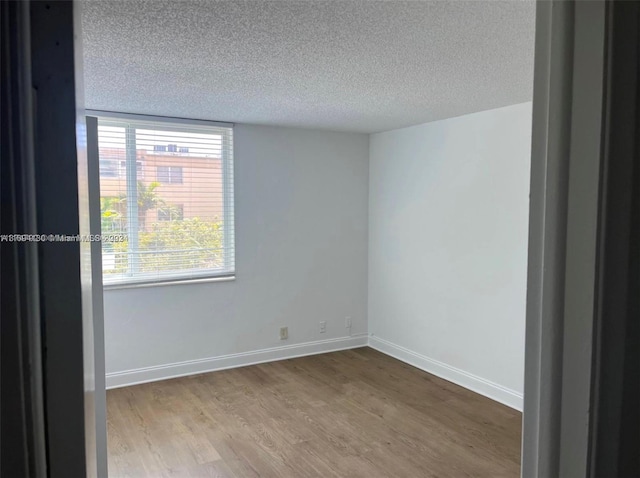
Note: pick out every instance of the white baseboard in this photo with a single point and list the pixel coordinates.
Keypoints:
(477, 384)
(496, 392)
(191, 367)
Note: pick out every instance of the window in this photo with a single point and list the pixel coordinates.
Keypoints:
(123, 169)
(177, 224)
(170, 174)
(108, 168)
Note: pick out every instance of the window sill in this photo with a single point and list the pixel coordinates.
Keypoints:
(139, 285)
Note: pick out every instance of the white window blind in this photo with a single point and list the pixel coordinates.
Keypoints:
(166, 200)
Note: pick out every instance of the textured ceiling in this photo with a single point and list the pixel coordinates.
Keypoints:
(363, 66)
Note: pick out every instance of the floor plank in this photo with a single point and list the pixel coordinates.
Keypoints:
(343, 414)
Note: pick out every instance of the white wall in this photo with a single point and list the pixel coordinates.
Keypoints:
(440, 210)
(301, 257)
(448, 219)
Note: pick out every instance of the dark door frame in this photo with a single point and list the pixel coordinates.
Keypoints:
(22, 438)
(47, 294)
(615, 426)
(581, 362)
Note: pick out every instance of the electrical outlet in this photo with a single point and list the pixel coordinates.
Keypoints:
(284, 333)
(347, 322)
(323, 326)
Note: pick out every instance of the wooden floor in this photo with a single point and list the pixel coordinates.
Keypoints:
(355, 413)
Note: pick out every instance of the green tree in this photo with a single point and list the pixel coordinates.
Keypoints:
(148, 198)
(199, 242)
(114, 208)
(111, 216)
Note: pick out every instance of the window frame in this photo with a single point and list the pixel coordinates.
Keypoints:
(134, 279)
(170, 174)
(113, 171)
